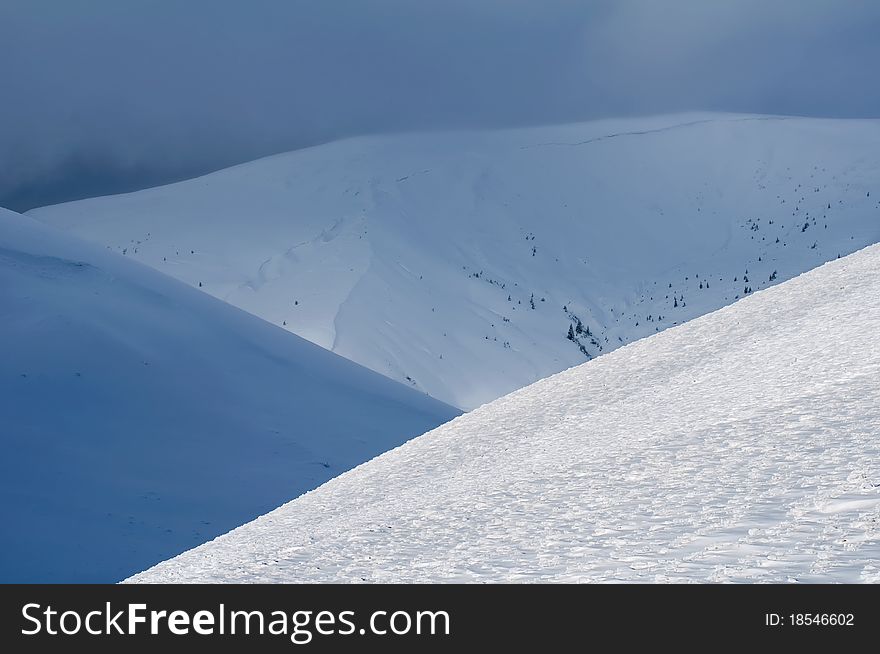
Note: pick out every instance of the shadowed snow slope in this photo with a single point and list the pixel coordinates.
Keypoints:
(742, 446)
(456, 263)
(139, 418)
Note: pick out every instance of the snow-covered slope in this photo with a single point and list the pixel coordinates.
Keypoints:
(742, 446)
(457, 262)
(139, 418)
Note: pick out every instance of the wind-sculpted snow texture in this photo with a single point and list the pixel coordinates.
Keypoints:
(742, 446)
(470, 264)
(139, 418)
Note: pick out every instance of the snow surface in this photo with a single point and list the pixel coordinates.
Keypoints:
(139, 418)
(418, 255)
(742, 446)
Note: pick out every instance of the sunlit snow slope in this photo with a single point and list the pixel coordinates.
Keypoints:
(457, 262)
(139, 418)
(742, 446)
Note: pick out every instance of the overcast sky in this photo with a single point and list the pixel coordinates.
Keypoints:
(101, 96)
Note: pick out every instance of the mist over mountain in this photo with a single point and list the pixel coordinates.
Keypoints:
(104, 97)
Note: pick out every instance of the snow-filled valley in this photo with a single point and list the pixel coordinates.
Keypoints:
(139, 417)
(470, 264)
(741, 446)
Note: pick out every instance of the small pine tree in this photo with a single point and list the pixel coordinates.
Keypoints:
(570, 333)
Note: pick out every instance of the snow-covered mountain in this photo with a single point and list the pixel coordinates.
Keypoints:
(742, 446)
(139, 418)
(471, 264)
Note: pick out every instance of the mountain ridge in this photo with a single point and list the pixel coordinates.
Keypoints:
(463, 263)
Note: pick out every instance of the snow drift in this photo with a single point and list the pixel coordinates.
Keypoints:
(139, 418)
(742, 446)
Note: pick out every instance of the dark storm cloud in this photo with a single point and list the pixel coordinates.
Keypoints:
(98, 96)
